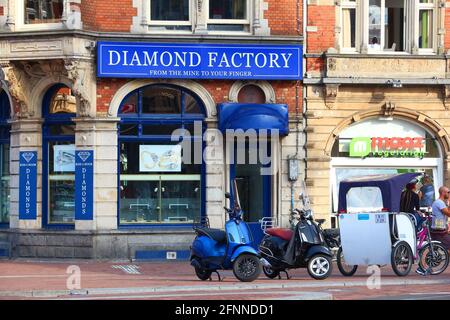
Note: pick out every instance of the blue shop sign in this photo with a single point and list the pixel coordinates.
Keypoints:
(199, 61)
(84, 185)
(28, 185)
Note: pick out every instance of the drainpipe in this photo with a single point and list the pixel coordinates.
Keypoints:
(298, 114)
(305, 92)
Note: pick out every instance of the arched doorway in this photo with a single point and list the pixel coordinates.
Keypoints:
(5, 134)
(159, 182)
(58, 182)
(384, 146)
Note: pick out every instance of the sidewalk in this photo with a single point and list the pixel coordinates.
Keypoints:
(176, 280)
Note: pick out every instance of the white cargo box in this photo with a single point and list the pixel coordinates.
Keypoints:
(366, 237)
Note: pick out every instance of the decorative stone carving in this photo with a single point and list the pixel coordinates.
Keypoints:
(18, 88)
(78, 73)
(447, 97)
(331, 93)
(332, 64)
(388, 109)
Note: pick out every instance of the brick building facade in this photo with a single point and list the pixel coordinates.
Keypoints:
(47, 48)
(375, 69)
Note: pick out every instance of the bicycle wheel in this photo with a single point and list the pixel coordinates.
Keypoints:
(402, 259)
(433, 263)
(346, 269)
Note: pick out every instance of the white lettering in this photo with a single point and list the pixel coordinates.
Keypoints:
(212, 58)
(169, 57)
(153, 61)
(286, 58)
(233, 61)
(135, 60)
(117, 54)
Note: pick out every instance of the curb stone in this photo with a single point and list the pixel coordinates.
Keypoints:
(143, 290)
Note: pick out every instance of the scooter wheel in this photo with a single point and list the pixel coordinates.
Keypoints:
(320, 267)
(270, 272)
(203, 274)
(247, 268)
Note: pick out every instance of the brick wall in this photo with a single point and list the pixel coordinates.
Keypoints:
(282, 16)
(107, 15)
(322, 17)
(219, 89)
(447, 27)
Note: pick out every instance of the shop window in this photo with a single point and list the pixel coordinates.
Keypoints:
(4, 158)
(161, 100)
(59, 158)
(170, 15)
(63, 102)
(228, 15)
(43, 11)
(252, 94)
(158, 183)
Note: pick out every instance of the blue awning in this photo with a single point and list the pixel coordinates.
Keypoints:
(254, 116)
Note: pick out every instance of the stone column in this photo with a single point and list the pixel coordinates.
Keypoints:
(26, 135)
(215, 177)
(201, 14)
(289, 149)
(100, 135)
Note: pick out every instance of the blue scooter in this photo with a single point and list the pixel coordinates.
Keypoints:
(215, 249)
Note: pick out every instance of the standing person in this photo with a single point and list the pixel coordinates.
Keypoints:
(427, 192)
(441, 212)
(410, 203)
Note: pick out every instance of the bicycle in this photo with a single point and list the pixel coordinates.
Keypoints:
(430, 253)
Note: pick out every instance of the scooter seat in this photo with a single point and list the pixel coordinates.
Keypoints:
(285, 234)
(331, 233)
(215, 234)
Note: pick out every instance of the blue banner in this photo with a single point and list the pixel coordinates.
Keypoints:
(84, 185)
(199, 61)
(28, 185)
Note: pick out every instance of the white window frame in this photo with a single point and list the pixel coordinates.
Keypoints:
(430, 7)
(152, 23)
(246, 22)
(406, 29)
(22, 26)
(411, 27)
(346, 4)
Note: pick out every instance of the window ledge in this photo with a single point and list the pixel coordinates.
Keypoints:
(384, 55)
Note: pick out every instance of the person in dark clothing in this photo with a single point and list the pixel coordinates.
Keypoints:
(410, 203)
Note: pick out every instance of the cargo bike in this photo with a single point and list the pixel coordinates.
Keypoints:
(372, 230)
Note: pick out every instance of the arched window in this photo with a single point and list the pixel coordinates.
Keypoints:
(161, 179)
(58, 185)
(5, 128)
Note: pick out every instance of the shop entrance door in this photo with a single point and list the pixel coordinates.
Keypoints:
(255, 190)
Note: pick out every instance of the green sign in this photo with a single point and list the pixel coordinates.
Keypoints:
(388, 147)
(360, 147)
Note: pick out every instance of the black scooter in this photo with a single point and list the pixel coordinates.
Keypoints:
(304, 247)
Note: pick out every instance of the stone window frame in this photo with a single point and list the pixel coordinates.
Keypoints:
(199, 18)
(247, 22)
(346, 5)
(265, 86)
(15, 14)
(411, 32)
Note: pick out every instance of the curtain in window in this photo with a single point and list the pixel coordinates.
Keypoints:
(346, 28)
